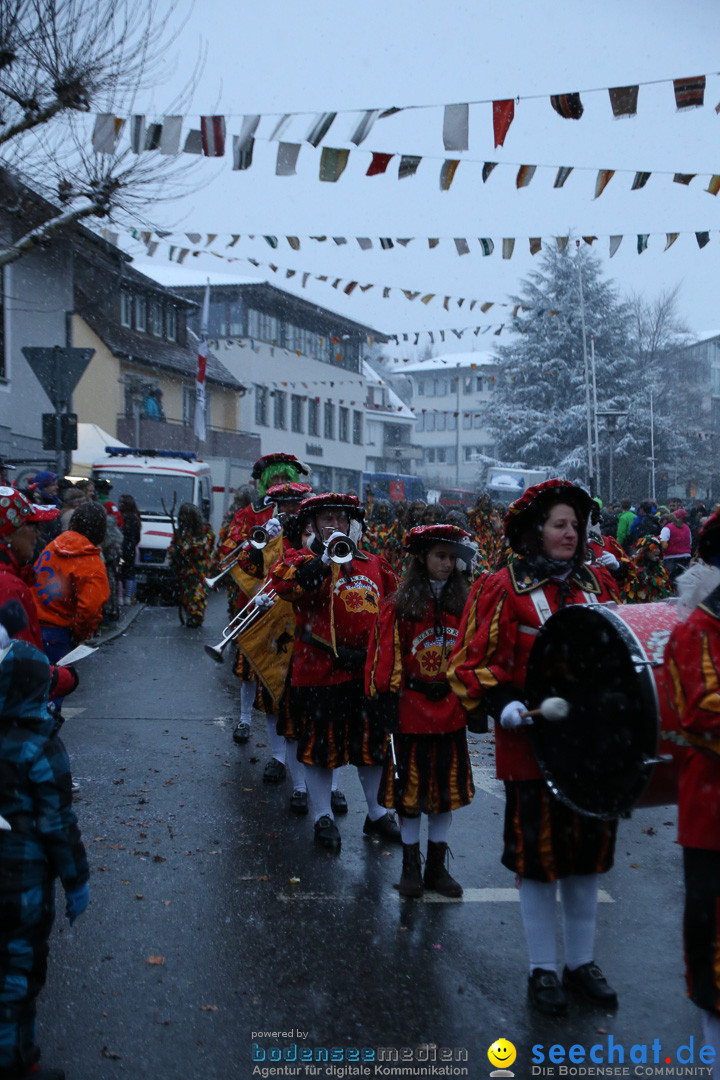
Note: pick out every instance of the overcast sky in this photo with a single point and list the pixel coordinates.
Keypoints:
(281, 56)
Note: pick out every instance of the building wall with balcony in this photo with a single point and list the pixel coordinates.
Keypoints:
(450, 396)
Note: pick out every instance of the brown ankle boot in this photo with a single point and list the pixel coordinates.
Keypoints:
(437, 877)
(411, 882)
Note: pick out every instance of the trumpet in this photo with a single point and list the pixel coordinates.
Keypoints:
(258, 539)
(341, 550)
(240, 622)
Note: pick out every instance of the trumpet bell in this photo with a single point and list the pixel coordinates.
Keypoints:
(341, 550)
(215, 652)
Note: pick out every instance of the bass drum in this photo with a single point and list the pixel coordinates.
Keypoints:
(606, 660)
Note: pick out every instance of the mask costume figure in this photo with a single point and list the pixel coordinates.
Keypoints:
(406, 674)
(545, 842)
(335, 605)
(269, 469)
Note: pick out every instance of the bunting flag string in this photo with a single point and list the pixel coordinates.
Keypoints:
(209, 139)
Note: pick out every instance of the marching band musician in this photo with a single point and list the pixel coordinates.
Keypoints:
(335, 608)
(406, 671)
(544, 841)
(692, 663)
(286, 498)
(268, 470)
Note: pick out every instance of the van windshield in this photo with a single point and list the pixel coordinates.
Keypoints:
(149, 490)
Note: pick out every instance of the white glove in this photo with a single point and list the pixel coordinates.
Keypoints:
(608, 560)
(325, 557)
(355, 532)
(512, 715)
(263, 602)
(273, 528)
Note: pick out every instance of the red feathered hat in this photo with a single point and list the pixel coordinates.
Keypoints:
(524, 510)
(291, 491)
(434, 534)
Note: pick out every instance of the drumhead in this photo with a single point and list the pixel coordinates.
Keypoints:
(595, 761)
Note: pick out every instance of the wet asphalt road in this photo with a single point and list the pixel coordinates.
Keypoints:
(215, 921)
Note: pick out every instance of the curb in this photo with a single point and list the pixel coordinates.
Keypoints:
(122, 626)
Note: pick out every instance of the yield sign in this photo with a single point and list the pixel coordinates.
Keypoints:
(58, 370)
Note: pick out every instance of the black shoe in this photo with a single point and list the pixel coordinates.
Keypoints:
(385, 827)
(241, 734)
(588, 982)
(274, 772)
(299, 802)
(546, 994)
(338, 802)
(326, 833)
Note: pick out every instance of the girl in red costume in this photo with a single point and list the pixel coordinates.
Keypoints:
(406, 671)
(545, 842)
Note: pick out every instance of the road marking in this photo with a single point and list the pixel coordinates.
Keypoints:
(71, 711)
(470, 896)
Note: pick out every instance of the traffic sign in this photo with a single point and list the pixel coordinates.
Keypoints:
(58, 370)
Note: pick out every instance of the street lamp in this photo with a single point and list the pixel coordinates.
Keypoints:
(611, 418)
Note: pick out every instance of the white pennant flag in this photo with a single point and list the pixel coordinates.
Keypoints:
(170, 135)
(364, 127)
(455, 127)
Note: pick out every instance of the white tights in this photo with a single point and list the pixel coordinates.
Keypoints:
(578, 900)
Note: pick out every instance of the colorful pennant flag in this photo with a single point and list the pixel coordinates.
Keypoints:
(623, 100)
(642, 242)
(378, 164)
(535, 244)
(603, 179)
(212, 129)
(503, 116)
(447, 173)
(683, 178)
(171, 135)
(615, 242)
(714, 185)
(641, 179)
(244, 142)
(562, 242)
(365, 126)
(568, 106)
(487, 169)
(106, 133)
(486, 245)
(332, 164)
(137, 134)
(193, 142)
(689, 93)
(287, 157)
(508, 246)
(408, 166)
(670, 239)
(702, 238)
(456, 128)
(320, 128)
(462, 246)
(562, 175)
(524, 175)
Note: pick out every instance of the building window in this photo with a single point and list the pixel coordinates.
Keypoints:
(467, 420)
(451, 455)
(344, 424)
(171, 323)
(125, 308)
(329, 420)
(421, 388)
(429, 455)
(441, 454)
(420, 425)
(440, 425)
(156, 318)
(296, 413)
(280, 409)
(253, 323)
(357, 427)
(452, 421)
(313, 417)
(261, 405)
(430, 421)
(441, 387)
(478, 420)
(140, 313)
(467, 384)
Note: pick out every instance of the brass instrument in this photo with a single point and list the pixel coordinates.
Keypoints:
(341, 550)
(244, 618)
(258, 539)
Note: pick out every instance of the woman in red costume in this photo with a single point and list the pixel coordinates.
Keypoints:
(545, 842)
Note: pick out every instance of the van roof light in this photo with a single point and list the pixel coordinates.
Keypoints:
(134, 451)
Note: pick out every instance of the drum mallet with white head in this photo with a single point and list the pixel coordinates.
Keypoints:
(552, 708)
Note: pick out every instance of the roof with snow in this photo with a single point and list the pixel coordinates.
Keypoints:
(396, 406)
(448, 360)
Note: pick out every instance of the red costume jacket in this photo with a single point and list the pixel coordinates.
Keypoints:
(352, 613)
(16, 584)
(245, 520)
(498, 629)
(692, 666)
(404, 649)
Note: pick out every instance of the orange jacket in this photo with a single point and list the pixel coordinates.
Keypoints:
(71, 585)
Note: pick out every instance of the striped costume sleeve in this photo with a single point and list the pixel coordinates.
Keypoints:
(383, 669)
(483, 656)
(283, 574)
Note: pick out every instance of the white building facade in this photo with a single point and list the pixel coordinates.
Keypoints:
(450, 396)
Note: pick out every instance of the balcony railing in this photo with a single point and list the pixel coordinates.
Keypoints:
(171, 435)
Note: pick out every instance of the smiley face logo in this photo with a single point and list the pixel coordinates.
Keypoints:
(502, 1053)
